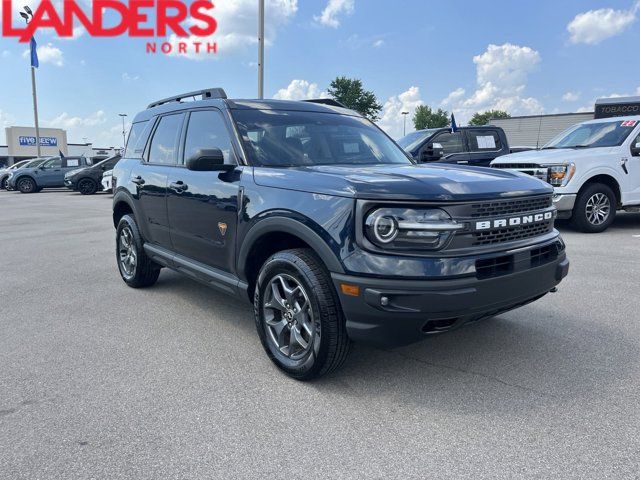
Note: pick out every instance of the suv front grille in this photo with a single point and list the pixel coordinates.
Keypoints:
(509, 207)
(501, 235)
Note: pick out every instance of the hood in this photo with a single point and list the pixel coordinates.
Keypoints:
(404, 182)
(553, 156)
(75, 171)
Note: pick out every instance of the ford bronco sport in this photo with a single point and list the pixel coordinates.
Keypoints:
(311, 212)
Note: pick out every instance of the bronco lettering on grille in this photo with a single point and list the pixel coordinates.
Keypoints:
(514, 221)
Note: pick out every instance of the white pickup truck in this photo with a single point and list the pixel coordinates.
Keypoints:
(594, 168)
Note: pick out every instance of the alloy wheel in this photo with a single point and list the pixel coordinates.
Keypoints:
(289, 318)
(598, 208)
(26, 185)
(128, 256)
(86, 187)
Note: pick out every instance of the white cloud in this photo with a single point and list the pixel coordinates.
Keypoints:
(571, 96)
(66, 121)
(5, 54)
(392, 120)
(453, 97)
(334, 9)
(48, 54)
(502, 72)
(129, 78)
(378, 43)
(237, 23)
(300, 90)
(594, 26)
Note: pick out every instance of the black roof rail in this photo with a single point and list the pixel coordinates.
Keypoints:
(207, 93)
(327, 101)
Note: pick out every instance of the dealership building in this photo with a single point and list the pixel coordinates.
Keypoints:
(21, 145)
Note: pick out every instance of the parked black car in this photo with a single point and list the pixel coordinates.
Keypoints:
(475, 146)
(315, 215)
(88, 180)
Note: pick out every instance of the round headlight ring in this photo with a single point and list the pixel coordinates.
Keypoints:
(385, 229)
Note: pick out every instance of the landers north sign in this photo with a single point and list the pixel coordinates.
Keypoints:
(136, 18)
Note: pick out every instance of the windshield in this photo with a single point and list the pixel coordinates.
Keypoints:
(592, 135)
(413, 140)
(34, 163)
(291, 139)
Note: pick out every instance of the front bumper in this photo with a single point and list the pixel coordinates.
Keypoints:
(564, 203)
(69, 184)
(390, 312)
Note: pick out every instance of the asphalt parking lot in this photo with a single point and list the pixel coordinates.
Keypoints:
(98, 380)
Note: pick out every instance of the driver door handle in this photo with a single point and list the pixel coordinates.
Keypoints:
(178, 186)
(138, 180)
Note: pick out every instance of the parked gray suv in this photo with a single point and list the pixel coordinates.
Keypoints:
(49, 174)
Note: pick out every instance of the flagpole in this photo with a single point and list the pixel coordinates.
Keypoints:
(35, 107)
(261, 49)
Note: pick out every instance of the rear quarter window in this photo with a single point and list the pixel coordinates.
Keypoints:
(136, 140)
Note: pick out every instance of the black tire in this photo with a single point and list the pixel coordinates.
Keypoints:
(329, 344)
(26, 185)
(595, 209)
(87, 186)
(144, 272)
(3, 184)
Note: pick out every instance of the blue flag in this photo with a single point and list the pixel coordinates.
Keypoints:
(34, 53)
(61, 155)
(454, 126)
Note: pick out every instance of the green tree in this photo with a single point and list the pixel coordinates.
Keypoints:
(351, 93)
(483, 118)
(425, 117)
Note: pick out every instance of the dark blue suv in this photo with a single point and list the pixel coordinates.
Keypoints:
(315, 215)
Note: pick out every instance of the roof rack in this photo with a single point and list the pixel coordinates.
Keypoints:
(207, 93)
(327, 101)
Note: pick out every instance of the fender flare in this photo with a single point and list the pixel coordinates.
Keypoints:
(25, 175)
(292, 227)
(123, 197)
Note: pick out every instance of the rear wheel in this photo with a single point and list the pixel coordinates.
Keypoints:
(86, 186)
(298, 315)
(136, 269)
(595, 209)
(26, 185)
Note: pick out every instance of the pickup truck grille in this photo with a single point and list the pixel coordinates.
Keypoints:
(492, 237)
(509, 207)
(532, 169)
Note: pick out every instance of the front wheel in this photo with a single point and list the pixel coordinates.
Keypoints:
(595, 209)
(298, 315)
(3, 184)
(86, 186)
(27, 185)
(136, 269)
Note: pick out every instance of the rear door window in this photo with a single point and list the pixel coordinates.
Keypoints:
(164, 145)
(483, 141)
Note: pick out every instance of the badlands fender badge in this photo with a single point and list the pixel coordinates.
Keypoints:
(222, 227)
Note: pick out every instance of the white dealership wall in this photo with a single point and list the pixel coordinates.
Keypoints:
(537, 130)
(21, 142)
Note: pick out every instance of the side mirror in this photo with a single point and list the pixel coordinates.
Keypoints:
(432, 152)
(207, 160)
(635, 150)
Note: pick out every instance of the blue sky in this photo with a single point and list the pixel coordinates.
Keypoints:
(523, 56)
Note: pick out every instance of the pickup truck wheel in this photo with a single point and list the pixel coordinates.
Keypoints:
(86, 186)
(595, 209)
(26, 185)
(136, 269)
(298, 315)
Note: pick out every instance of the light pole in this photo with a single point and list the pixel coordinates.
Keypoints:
(261, 49)
(124, 139)
(404, 128)
(28, 15)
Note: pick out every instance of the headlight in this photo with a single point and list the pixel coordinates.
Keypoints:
(559, 175)
(409, 229)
